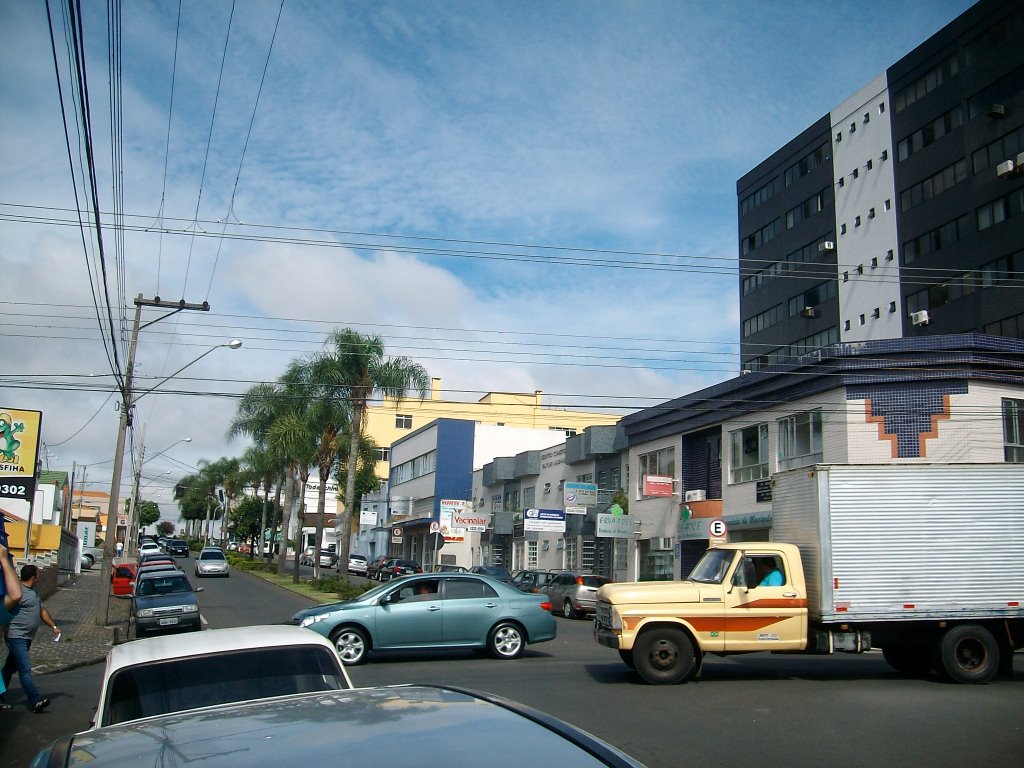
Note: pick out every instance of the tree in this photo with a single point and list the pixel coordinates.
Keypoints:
(245, 520)
(165, 528)
(364, 373)
(149, 513)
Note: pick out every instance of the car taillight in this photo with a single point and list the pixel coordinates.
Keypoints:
(579, 580)
(546, 605)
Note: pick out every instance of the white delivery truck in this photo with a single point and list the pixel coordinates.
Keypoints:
(925, 562)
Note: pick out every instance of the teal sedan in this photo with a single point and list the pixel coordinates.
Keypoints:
(452, 610)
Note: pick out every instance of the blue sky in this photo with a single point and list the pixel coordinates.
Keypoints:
(611, 131)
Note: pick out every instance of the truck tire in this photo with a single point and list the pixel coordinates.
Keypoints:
(627, 659)
(663, 656)
(968, 653)
(911, 659)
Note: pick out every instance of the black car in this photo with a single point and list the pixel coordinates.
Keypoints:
(177, 548)
(499, 572)
(396, 567)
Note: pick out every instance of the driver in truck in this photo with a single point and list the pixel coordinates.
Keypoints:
(771, 574)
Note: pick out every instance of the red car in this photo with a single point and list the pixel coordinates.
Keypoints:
(122, 578)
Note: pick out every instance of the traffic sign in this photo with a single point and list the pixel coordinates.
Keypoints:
(718, 528)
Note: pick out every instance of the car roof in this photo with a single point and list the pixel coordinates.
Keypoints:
(156, 573)
(382, 725)
(210, 641)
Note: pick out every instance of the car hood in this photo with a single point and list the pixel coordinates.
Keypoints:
(379, 726)
(639, 592)
(165, 601)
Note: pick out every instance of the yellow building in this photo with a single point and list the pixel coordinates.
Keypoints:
(391, 420)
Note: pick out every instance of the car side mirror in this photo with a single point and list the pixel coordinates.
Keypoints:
(198, 589)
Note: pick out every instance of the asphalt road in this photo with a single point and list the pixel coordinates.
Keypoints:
(756, 710)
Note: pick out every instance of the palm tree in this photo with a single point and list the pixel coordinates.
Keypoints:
(261, 466)
(364, 374)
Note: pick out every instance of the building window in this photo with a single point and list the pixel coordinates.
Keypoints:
(749, 453)
(930, 133)
(547, 488)
(531, 555)
(568, 431)
(1013, 430)
(892, 306)
(661, 462)
(383, 454)
(529, 497)
(846, 325)
(495, 503)
(800, 440)
(403, 421)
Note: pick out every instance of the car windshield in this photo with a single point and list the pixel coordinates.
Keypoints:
(712, 567)
(178, 684)
(164, 585)
(211, 554)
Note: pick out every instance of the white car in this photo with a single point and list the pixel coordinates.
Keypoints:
(211, 562)
(161, 675)
(357, 564)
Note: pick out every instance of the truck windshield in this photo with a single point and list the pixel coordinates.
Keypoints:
(712, 567)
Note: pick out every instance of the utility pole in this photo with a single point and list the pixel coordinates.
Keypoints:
(127, 404)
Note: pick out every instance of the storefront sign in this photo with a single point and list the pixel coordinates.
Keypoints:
(580, 494)
(657, 485)
(575, 510)
(615, 526)
(19, 453)
(764, 491)
(550, 520)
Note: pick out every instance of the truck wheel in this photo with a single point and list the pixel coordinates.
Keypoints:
(627, 659)
(968, 653)
(914, 660)
(663, 656)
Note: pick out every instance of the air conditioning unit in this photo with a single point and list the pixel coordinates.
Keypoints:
(919, 318)
(809, 312)
(661, 544)
(699, 495)
(996, 110)
(828, 245)
(1006, 169)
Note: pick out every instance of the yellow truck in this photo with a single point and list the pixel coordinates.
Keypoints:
(925, 562)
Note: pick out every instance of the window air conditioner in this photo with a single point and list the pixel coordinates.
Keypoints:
(996, 110)
(1006, 169)
(919, 318)
(809, 312)
(699, 495)
(828, 245)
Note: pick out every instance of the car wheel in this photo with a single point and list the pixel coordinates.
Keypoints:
(506, 641)
(351, 644)
(567, 610)
(663, 656)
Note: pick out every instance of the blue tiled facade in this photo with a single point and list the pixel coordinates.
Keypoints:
(908, 410)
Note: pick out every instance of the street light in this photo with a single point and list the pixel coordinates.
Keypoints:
(129, 399)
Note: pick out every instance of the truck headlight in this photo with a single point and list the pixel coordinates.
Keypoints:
(313, 619)
(190, 609)
(616, 620)
(144, 613)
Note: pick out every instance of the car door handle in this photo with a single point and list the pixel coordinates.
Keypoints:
(789, 594)
(434, 608)
(486, 605)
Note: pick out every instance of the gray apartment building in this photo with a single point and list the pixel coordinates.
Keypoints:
(900, 213)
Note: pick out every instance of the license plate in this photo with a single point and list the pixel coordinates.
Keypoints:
(168, 622)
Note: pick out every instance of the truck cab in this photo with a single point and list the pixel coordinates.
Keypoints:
(742, 597)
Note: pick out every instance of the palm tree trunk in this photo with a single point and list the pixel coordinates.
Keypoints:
(286, 517)
(350, 485)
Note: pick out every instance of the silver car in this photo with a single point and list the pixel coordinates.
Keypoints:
(575, 594)
(211, 562)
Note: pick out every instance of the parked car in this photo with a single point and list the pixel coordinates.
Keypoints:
(328, 557)
(146, 547)
(532, 581)
(374, 567)
(357, 564)
(456, 610)
(177, 548)
(153, 557)
(160, 675)
(211, 562)
(91, 556)
(396, 567)
(366, 725)
(448, 568)
(499, 572)
(574, 594)
(165, 601)
(122, 579)
(153, 567)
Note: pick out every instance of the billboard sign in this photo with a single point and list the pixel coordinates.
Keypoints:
(615, 526)
(657, 485)
(580, 494)
(19, 453)
(550, 520)
(458, 515)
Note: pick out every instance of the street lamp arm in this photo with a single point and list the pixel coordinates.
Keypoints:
(233, 344)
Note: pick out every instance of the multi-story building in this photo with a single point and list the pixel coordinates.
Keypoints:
(901, 212)
(393, 420)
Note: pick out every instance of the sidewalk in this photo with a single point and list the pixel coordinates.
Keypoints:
(82, 642)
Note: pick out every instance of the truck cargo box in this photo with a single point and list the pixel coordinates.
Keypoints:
(898, 542)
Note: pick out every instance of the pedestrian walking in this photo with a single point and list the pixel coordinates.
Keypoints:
(11, 591)
(25, 620)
